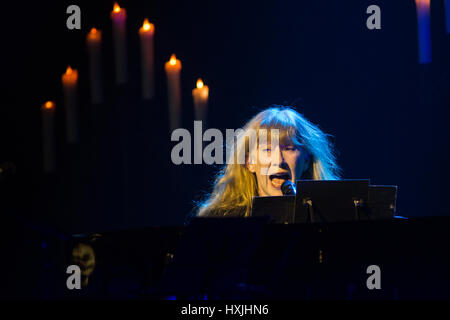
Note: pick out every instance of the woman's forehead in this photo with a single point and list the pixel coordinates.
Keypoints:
(282, 145)
(286, 137)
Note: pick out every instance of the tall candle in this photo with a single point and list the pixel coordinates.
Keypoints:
(200, 95)
(146, 33)
(423, 30)
(69, 81)
(447, 15)
(173, 71)
(119, 18)
(93, 43)
(48, 136)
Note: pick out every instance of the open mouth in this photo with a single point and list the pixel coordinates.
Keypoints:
(279, 178)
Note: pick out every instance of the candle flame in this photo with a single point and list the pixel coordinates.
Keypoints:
(69, 70)
(147, 25)
(173, 60)
(49, 105)
(94, 30)
(423, 2)
(116, 7)
(199, 83)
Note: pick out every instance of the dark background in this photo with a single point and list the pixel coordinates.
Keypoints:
(388, 114)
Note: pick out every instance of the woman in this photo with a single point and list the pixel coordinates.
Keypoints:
(303, 152)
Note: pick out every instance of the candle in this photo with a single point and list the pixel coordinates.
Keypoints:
(447, 15)
(200, 95)
(173, 70)
(147, 59)
(93, 43)
(119, 17)
(69, 81)
(423, 30)
(48, 136)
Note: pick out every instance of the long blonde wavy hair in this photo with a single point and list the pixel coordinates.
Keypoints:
(235, 186)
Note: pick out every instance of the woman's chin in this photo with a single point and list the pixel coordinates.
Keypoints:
(275, 192)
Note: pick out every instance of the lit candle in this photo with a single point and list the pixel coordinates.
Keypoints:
(147, 59)
(173, 70)
(48, 136)
(93, 42)
(200, 95)
(69, 81)
(423, 30)
(119, 18)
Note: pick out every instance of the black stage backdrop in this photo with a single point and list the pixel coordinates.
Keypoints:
(388, 115)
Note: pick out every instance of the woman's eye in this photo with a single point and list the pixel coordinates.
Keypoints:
(291, 148)
(267, 150)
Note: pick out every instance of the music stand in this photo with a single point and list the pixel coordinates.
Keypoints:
(279, 209)
(382, 202)
(331, 200)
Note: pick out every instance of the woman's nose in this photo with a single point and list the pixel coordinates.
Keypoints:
(278, 156)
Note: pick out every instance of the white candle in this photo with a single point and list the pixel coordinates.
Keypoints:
(146, 33)
(69, 81)
(200, 95)
(48, 136)
(447, 15)
(173, 70)
(94, 42)
(423, 30)
(119, 18)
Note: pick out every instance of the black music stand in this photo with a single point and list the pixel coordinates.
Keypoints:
(382, 202)
(331, 200)
(279, 209)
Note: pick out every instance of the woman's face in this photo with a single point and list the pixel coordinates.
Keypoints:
(274, 165)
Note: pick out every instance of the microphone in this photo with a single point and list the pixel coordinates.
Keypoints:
(288, 188)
